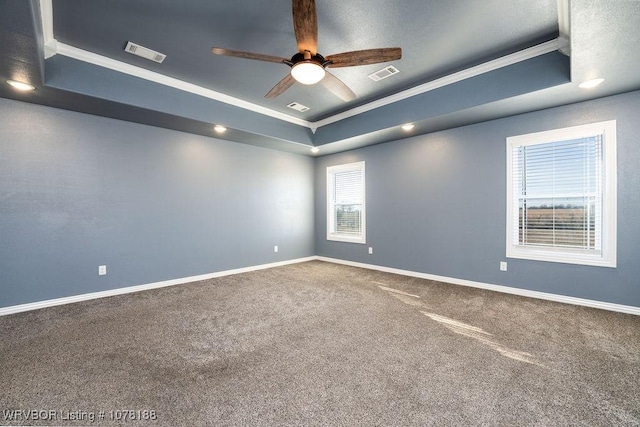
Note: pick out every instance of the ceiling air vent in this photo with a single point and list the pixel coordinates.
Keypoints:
(144, 52)
(384, 73)
(297, 106)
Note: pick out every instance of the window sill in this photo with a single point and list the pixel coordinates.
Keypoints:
(346, 238)
(561, 257)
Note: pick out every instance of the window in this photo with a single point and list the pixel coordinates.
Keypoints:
(561, 195)
(345, 203)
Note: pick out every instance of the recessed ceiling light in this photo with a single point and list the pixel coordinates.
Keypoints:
(590, 83)
(315, 149)
(21, 86)
(408, 127)
(220, 128)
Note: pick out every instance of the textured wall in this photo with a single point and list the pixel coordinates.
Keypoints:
(77, 191)
(436, 204)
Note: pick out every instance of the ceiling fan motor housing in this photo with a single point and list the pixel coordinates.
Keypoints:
(316, 59)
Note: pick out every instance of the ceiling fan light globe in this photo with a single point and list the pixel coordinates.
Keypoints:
(307, 73)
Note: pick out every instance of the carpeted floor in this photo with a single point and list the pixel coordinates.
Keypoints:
(317, 344)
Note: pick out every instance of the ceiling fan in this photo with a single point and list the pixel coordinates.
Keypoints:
(308, 66)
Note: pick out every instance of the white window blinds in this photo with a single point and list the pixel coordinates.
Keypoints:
(561, 195)
(558, 188)
(348, 202)
(345, 202)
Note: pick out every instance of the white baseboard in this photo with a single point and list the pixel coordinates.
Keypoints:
(628, 309)
(94, 295)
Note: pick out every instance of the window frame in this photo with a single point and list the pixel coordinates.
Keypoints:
(331, 234)
(608, 256)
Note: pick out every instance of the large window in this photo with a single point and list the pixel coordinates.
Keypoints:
(561, 195)
(345, 203)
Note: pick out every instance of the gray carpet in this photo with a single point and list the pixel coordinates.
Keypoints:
(319, 344)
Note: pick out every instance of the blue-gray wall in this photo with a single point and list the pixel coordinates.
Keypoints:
(78, 191)
(436, 204)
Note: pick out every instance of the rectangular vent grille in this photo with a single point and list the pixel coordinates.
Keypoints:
(144, 52)
(384, 73)
(298, 106)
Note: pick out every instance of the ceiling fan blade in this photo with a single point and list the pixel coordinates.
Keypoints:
(305, 25)
(282, 85)
(364, 57)
(337, 86)
(247, 55)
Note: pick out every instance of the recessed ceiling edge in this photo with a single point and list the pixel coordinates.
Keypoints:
(52, 47)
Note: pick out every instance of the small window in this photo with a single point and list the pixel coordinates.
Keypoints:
(345, 203)
(561, 195)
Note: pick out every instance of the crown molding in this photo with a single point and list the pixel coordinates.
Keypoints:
(514, 58)
(564, 26)
(122, 67)
(53, 47)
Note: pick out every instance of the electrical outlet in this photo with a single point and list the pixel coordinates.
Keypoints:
(102, 270)
(370, 250)
(275, 249)
(503, 266)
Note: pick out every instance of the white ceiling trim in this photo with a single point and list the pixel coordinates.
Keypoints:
(122, 67)
(46, 18)
(52, 47)
(564, 26)
(501, 62)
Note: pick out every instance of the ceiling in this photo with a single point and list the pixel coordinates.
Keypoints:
(463, 62)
